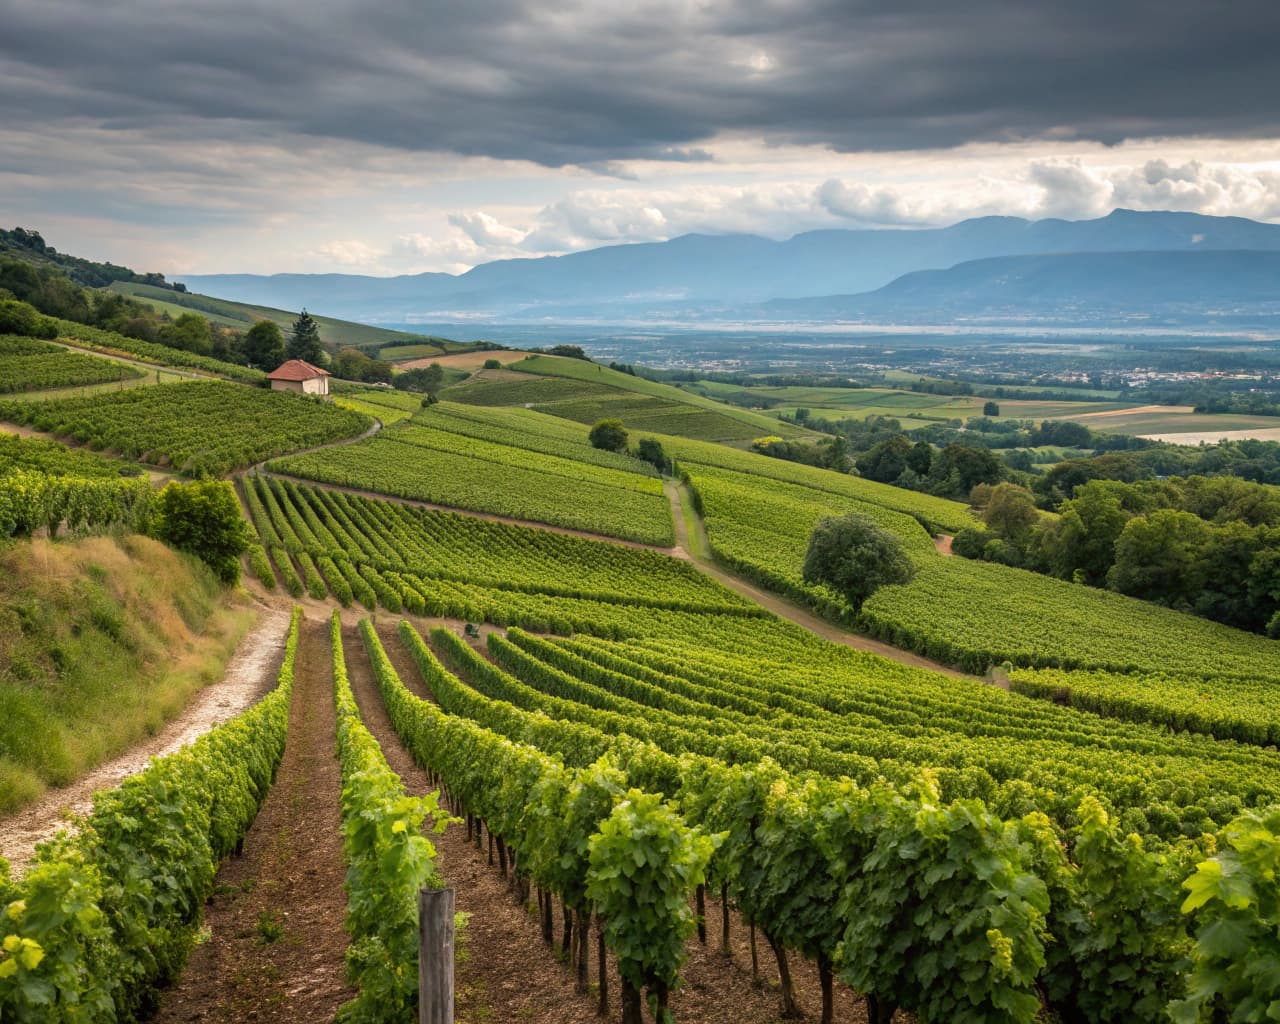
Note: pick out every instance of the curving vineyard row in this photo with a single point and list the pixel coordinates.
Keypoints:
(209, 427)
(975, 614)
(386, 537)
(581, 833)
(543, 489)
(940, 907)
(1009, 751)
(1244, 709)
(102, 918)
(30, 365)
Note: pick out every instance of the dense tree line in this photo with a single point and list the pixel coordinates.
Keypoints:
(422, 379)
(352, 364)
(1242, 396)
(1205, 545)
(1196, 529)
(52, 293)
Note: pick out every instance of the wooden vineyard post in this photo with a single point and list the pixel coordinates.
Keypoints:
(435, 956)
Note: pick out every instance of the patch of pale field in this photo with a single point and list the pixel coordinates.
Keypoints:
(1135, 410)
(464, 360)
(1214, 436)
(1175, 422)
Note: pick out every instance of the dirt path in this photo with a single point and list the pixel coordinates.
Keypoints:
(793, 612)
(250, 673)
(73, 346)
(258, 466)
(487, 516)
(942, 544)
(276, 945)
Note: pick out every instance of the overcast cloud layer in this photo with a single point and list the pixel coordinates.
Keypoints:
(403, 136)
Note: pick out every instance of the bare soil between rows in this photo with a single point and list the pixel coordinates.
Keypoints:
(275, 943)
(508, 973)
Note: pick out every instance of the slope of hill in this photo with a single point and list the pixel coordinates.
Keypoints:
(701, 272)
(30, 247)
(242, 315)
(576, 389)
(103, 639)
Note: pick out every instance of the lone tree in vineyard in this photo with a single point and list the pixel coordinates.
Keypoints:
(609, 435)
(855, 556)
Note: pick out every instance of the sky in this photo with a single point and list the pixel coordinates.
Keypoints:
(401, 136)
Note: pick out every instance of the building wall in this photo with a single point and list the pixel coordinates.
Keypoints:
(315, 386)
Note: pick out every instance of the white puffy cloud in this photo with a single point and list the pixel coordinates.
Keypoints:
(1071, 189)
(486, 231)
(161, 200)
(350, 253)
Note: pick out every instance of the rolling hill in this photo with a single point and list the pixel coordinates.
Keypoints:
(242, 315)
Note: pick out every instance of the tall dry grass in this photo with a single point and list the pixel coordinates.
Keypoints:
(102, 640)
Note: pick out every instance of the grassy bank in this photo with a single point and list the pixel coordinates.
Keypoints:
(102, 640)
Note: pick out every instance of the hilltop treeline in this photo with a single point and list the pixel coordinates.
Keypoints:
(30, 246)
(49, 290)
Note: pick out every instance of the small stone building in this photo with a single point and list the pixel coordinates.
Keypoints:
(300, 376)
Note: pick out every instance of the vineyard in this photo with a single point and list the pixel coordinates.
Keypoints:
(398, 556)
(940, 514)
(57, 460)
(387, 406)
(532, 431)
(1243, 708)
(831, 870)
(976, 614)
(44, 485)
(110, 342)
(586, 392)
(209, 427)
(454, 469)
(966, 613)
(30, 365)
(650, 749)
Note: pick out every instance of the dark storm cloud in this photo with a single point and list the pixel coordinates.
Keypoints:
(586, 84)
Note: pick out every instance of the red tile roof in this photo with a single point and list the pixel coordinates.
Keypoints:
(297, 369)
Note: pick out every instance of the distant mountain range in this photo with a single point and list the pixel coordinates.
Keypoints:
(1231, 287)
(1178, 267)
